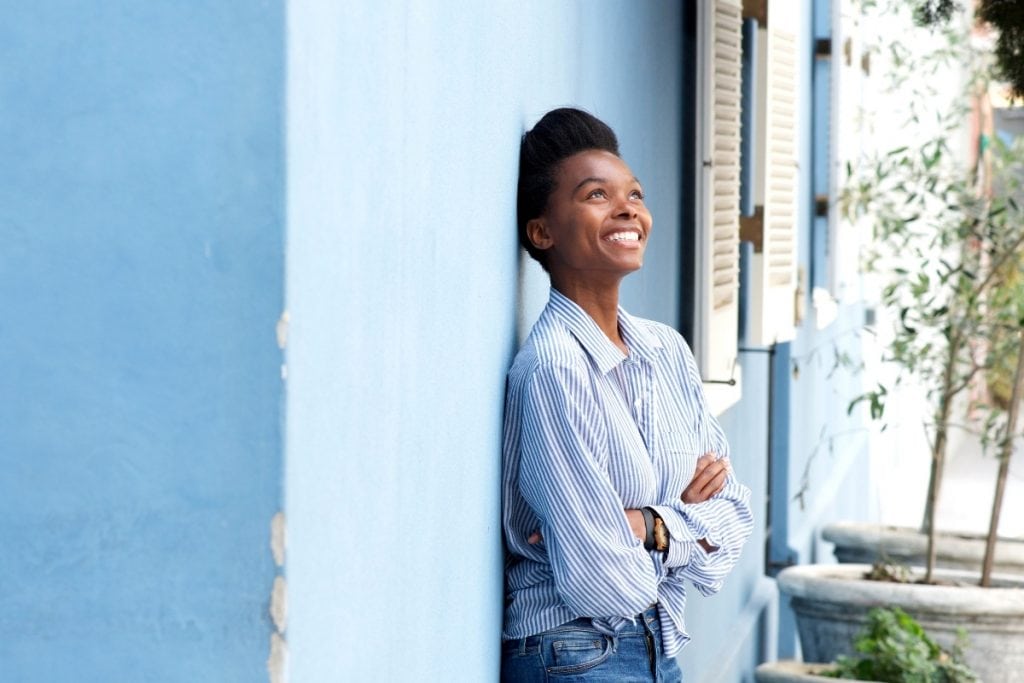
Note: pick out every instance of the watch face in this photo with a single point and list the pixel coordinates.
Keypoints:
(660, 534)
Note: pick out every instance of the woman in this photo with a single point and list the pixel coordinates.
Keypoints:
(617, 488)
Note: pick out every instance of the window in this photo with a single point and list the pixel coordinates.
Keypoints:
(717, 236)
(769, 172)
(772, 229)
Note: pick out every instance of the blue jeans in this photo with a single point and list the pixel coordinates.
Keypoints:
(578, 653)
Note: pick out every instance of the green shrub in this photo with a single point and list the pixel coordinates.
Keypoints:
(895, 649)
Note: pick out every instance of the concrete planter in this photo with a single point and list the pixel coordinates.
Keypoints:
(866, 543)
(789, 671)
(831, 603)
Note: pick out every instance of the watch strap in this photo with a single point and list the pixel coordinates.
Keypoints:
(649, 523)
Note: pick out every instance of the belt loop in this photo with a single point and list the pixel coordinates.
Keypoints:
(522, 647)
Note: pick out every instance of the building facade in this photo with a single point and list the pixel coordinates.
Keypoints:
(268, 255)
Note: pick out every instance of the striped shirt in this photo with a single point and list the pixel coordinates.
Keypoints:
(588, 433)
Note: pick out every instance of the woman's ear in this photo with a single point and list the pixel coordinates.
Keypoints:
(538, 234)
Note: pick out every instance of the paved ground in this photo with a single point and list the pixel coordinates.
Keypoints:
(901, 459)
(900, 465)
(966, 502)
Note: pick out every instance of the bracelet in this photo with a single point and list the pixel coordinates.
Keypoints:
(649, 526)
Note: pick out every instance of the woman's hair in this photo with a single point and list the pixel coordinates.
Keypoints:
(556, 137)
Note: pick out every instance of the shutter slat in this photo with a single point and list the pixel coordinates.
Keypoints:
(780, 167)
(725, 121)
(775, 265)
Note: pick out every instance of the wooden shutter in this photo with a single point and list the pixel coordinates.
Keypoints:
(718, 239)
(725, 169)
(774, 266)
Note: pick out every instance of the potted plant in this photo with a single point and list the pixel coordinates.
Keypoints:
(831, 603)
(972, 294)
(891, 648)
(956, 297)
(966, 290)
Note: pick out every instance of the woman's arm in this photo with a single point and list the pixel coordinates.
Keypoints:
(707, 533)
(599, 566)
(707, 537)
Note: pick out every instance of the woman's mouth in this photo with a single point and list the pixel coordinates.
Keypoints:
(624, 236)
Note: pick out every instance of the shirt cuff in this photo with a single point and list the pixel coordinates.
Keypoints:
(684, 533)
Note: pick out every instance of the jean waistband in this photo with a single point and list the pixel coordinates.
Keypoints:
(642, 622)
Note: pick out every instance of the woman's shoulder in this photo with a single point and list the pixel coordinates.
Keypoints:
(549, 345)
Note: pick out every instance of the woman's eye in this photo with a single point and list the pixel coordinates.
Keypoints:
(637, 194)
(596, 193)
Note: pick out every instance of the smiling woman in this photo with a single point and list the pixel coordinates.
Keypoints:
(616, 479)
(595, 221)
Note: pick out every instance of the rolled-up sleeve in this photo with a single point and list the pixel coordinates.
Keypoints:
(724, 521)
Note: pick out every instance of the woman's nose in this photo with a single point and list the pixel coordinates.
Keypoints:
(626, 207)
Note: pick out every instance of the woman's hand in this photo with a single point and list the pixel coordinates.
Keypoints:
(708, 478)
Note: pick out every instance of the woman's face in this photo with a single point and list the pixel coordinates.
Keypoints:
(596, 223)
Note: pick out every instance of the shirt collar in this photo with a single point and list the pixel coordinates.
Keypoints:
(599, 347)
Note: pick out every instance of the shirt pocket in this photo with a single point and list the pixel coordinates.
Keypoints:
(678, 452)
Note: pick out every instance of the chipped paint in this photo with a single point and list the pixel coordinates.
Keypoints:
(282, 330)
(279, 604)
(277, 538)
(277, 663)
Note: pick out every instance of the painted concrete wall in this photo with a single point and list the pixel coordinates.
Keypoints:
(828, 472)
(406, 301)
(141, 217)
(736, 629)
(160, 151)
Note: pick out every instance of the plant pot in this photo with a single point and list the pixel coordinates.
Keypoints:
(831, 603)
(867, 543)
(790, 671)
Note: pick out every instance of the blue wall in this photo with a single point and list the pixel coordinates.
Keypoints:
(828, 447)
(141, 216)
(405, 296)
(156, 154)
(823, 474)
(735, 629)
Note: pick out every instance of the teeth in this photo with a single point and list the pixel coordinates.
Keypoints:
(624, 237)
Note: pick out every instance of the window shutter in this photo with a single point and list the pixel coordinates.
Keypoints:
(774, 266)
(719, 234)
(849, 71)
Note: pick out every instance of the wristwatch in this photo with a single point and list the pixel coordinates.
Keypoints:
(660, 535)
(657, 532)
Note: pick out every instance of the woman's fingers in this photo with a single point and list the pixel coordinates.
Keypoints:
(709, 478)
(534, 538)
(717, 483)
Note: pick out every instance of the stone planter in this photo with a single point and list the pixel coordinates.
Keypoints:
(866, 543)
(789, 671)
(831, 603)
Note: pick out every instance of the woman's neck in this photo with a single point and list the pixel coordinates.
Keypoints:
(600, 302)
